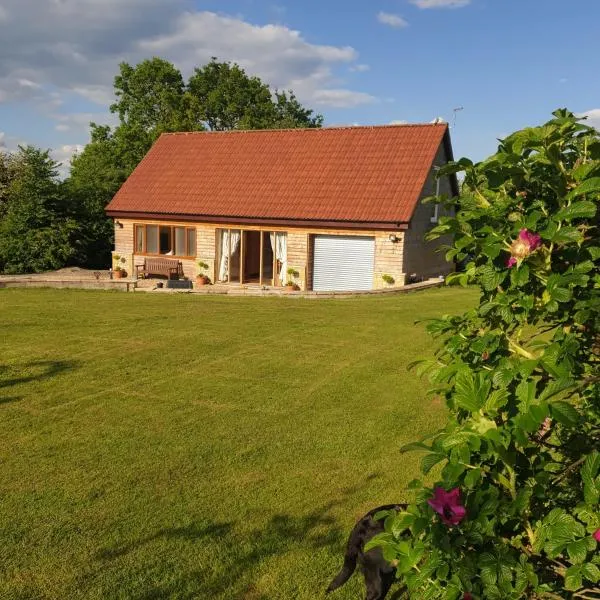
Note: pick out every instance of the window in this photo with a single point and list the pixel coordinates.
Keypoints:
(166, 240)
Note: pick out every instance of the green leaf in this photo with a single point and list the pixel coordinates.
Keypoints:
(584, 209)
(564, 413)
(471, 391)
(472, 478)
(490, 278)
(588, 472)
(519, 275)
(526, 391)
(566, 235)
(577, 551)
(412, 446)
(589, 186)
(430, 460)
(401, 522)
(591, 572)
(573, 578)
(555, 387)
(590, 467)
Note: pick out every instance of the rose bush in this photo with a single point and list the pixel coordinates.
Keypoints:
(514, 512)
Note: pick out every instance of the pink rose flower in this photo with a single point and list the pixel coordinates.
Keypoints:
(523, 246)
(596, 535)
(448, 505)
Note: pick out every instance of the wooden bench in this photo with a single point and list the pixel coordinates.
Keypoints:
(169, 268)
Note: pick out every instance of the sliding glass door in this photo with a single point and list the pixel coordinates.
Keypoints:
(251, 256)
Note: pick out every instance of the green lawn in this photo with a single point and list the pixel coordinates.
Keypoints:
(172, 446)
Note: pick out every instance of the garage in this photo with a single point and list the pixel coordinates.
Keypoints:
(343, 263)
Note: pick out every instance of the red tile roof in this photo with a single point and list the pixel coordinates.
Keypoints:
(356, 174)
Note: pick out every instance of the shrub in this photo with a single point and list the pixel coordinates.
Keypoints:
(514, 512)
(388, 279)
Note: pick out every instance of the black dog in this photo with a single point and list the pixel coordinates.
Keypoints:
(379, 574)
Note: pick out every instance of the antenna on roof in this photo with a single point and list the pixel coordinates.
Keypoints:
(455, 110)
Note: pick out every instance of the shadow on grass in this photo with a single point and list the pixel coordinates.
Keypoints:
(42, 370)
(282, 534)
(228, 572)
(191, 532)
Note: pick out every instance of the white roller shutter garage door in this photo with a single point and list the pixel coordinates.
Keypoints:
(343, 263)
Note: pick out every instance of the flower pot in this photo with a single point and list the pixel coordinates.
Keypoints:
(290, 288)
(202, 280)
(117, 274)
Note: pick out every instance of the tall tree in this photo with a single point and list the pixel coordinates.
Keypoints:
(36, 230)
(222, 96)
(96, 175)
(9, 168)
(149, 97)
(291, 114)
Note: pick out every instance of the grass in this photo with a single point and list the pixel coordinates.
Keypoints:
(170, 446)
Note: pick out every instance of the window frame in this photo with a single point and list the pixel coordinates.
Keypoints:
(191, 253)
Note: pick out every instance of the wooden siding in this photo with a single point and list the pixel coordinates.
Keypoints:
(388, 254)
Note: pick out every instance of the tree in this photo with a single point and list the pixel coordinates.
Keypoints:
(96, 175)
(9, 168)
(513, 512)
(291, 114)
(36, 231)
(222, 96)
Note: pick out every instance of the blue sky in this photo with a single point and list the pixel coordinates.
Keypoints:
(508, 63)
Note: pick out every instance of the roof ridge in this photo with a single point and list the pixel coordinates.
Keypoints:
(314, 129)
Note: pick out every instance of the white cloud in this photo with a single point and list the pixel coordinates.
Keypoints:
(399, 122)
(2, 139)
(360, 68)
(79, 122)
(593, 117)
(277, 54)
(3, 14)
(341, 98)
(441, 3)
(51, 54)
(391, 19)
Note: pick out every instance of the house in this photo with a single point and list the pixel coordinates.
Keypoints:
(339, 207)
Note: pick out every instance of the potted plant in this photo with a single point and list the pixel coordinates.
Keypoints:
(388, 279)
(118, 271)
(290, 284)
(202, 278)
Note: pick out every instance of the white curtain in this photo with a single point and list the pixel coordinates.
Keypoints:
(279, 247)
(226, 239)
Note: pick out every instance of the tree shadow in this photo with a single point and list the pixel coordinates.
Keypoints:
(192, 532)
(281, 534)
(240, 553)
(42, 370)
(9, 399)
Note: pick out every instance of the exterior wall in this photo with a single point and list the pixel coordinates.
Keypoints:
(423, 258)
(388, 254)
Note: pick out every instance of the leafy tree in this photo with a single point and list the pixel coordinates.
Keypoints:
(9, 167)
(35, 232)
(514, 512)
(291, 114)
(222, 96)
(96, 175)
